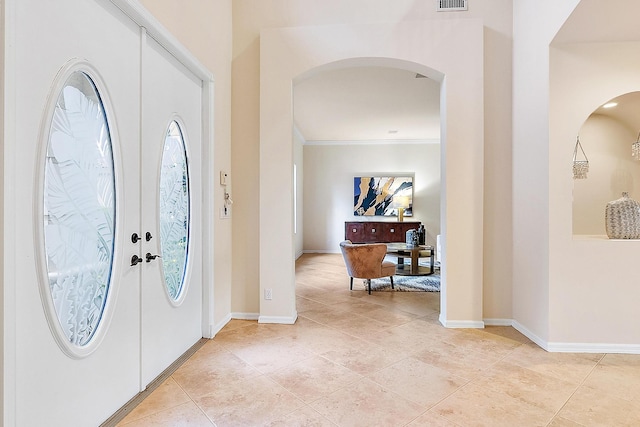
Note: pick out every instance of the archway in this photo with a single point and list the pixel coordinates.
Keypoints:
(454, 48)
(352, 120)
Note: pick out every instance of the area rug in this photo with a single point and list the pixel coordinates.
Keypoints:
(407, 283)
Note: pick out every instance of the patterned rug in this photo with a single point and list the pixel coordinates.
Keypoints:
(407, 283)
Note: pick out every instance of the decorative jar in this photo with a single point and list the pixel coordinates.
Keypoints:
(622, 218)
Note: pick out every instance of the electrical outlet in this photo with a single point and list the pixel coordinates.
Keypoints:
(268, 294)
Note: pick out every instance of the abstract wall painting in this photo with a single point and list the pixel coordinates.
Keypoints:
(374, 195)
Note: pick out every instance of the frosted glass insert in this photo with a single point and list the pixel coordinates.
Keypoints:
(79, 208)
(174, 210)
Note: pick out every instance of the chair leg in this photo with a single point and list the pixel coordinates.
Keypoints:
(391, 277)
(369, 284)
(351, 285)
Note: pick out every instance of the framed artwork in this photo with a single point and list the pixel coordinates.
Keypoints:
(382, 195)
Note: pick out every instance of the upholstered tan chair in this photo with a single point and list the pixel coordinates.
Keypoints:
(366, 261)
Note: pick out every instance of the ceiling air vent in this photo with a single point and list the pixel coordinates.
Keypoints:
(451, 5)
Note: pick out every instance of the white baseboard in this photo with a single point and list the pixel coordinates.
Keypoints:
(321, 251)
(284, 320)
(214, 329)
(245, 316)
(266, 319)
(498, 322)
(556, 347)
(462, 324)
(527, 333)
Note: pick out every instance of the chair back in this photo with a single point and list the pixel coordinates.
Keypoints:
(363, 261)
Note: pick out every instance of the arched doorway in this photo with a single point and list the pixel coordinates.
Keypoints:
(288, 54)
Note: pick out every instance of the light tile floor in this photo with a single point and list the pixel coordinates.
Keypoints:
(354, 359)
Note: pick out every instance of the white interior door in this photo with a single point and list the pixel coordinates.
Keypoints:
(171, 194)
(77, 66)
(91, 324)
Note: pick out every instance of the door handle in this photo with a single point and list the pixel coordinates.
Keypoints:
(151, 257)
(136, 260)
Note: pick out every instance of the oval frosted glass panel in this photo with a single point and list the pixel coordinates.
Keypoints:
(174, 210)
(79, 208)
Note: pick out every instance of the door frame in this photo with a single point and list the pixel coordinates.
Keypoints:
(8, 272)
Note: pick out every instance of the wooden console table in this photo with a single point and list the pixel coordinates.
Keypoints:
(378, 231)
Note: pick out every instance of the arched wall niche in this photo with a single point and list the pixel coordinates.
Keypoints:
(454, 49)
(587, 69)
(606, 136)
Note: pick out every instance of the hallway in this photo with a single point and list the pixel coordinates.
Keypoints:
(354, 359)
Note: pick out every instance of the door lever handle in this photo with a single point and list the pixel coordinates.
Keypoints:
(135, 260)
(151, 257)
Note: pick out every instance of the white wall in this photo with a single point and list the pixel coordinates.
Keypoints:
(612, 170)
(329, 172)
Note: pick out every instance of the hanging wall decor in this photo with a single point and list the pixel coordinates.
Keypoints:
(635, 148)
(580, 166)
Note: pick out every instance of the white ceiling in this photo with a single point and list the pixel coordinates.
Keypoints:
(367, 104)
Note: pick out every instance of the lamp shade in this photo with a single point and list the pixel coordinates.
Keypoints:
(401, 202)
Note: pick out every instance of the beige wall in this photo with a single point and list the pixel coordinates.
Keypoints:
(583, 314)
(329, 173)
(559, 299)
(204, 27)
(252, 16)
(535, 24)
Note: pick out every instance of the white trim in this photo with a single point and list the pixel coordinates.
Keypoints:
(559, 347)
(279, 319)
(461, 324)
(245, 316)
(8, 216)
(142, 17)
(498, 322)
(374, 142)
(320, 251)
(527, 333)
(207, 209)
(218, 326)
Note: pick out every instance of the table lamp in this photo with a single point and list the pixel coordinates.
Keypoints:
(401, 203)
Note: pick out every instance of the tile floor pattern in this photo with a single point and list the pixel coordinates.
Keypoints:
(354, 359)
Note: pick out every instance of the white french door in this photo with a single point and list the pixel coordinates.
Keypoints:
(171, 188)
(95, 101)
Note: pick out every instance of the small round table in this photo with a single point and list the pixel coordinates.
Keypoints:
(415, 252)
